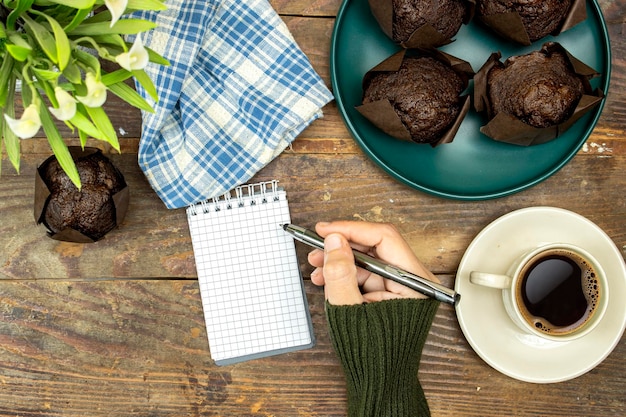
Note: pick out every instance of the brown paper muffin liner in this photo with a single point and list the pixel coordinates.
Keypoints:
(510, 26)
(381, 112)
(43, 193)
(426, 36)
(505, 127)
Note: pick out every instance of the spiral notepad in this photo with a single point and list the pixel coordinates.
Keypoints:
(250, 283)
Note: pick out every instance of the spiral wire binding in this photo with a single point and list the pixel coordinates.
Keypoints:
(243, 193)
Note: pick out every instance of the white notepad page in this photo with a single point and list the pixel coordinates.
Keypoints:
(250, 283)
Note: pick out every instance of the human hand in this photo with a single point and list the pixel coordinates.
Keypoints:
(345, 283)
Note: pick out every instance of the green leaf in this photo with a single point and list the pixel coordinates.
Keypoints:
(87, 59)
(63, 46)
(103, 16)
(11, 141)
(146, 5)
(72, 73)
(102, 122)
(1, 139)
(49, 90)
(5, 73)
(44, 38)
(78, 18)
(18, 40)
(12, 145)
(84, 125)
(18, 48)
(157, 59)
(83, 138)
(19, 8)
(59, 148)
(116, 77)
(27, 93)
(18, 52)
(76, 4)
(126, 93)
(46, 75)
(146, 83)
(3, 32)
(122, 27)
(110, 39)
(46, 3)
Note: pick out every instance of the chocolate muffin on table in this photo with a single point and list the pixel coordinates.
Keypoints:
(424, 93)
(91, 211)
(539, 18)
(533, 98)
(402, 19)
(539, 88)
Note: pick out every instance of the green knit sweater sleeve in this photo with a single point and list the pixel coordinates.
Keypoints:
(380, 346)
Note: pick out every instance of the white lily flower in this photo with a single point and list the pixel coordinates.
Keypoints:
(136, 58)
(117, 9)
(96, 92)
(67, 105)
(28, 125)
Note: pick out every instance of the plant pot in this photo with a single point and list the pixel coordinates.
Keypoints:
(84, 215)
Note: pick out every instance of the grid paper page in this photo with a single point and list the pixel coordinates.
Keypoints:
(250, 283)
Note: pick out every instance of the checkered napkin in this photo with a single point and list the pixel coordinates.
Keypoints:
(238, 92)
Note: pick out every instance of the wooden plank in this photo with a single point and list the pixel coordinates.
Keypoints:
(318, 8)
(154, 241)
(120, 348)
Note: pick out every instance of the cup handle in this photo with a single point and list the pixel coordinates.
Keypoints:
(490, 280)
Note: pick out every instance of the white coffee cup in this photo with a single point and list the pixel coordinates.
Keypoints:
(557, 291)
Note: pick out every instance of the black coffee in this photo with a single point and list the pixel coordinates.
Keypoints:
(559, 291)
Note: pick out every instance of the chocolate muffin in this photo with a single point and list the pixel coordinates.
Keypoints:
(539, 17)
(424, 93)
(540, 89)
(90, 210)
(445, 16)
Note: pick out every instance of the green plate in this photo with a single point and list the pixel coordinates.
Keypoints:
(473, 167)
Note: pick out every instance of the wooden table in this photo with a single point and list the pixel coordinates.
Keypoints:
(116, 328)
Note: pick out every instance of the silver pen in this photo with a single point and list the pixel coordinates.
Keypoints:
(415, 282)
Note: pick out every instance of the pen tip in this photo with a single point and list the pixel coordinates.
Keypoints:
(283, 226)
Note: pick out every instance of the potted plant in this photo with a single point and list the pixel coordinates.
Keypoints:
(54, 50)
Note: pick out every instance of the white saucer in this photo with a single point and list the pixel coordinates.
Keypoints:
(490, 331)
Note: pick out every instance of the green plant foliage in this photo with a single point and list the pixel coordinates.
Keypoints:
(47, 45)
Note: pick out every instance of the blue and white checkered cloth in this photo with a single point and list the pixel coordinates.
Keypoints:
(238, 92)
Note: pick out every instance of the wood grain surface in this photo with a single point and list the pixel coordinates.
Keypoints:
(115, 328)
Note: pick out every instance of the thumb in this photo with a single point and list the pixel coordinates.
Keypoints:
(341, 286)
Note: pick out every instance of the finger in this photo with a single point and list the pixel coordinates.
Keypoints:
(372, 283)
(316, 258)
(317, 277)
(372, 297)
(340, 272)
(376, 283)
(381, 240)
(401, 290)
(356, 232)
